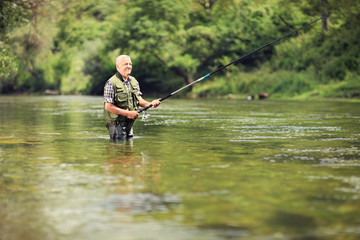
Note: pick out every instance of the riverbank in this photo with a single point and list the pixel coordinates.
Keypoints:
(279, 85)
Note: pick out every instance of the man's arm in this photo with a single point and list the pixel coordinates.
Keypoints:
(118, 111)
(144, 103)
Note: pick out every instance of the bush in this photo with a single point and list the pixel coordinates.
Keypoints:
(349, 88)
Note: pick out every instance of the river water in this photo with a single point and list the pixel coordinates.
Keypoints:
(196, 169)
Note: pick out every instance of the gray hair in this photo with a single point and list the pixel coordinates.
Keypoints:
(119, 58)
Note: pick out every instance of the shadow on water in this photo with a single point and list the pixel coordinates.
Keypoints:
(290, 221)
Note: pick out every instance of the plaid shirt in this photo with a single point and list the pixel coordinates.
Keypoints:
(109, 91)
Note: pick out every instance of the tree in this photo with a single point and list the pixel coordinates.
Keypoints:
(16, 13)
(333, 53)
(156, 29)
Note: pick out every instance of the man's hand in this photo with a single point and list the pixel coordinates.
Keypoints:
(132, 114)
(156, 103)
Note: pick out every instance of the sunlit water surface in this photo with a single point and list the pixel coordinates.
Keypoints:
(196, 169)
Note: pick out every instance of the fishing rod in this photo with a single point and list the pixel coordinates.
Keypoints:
(233, 62)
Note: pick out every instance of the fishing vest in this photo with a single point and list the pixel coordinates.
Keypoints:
(123, 98)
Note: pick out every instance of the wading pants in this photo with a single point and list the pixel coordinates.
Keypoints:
(117, 131)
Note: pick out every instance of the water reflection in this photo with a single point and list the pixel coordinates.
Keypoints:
(127, 174)
(141, 203)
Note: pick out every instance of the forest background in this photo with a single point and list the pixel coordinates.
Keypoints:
(69, 46)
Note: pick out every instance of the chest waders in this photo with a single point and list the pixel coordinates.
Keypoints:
(125, 98)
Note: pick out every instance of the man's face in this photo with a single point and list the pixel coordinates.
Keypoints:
(124, 66)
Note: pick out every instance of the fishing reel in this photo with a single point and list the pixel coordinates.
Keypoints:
(145, 116)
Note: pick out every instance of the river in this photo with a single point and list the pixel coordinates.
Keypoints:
(196, 169)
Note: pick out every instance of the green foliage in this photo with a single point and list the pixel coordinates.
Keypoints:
(312, 58)
(290, 84)
(155, 29)
(71, 46)
(349, 88)
(100, 67)
(13, 13)
(333, 54)
(279, 83)
(8, 62)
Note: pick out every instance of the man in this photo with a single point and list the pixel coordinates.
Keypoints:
(122, 98)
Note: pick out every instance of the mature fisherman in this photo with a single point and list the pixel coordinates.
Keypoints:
(122, 98)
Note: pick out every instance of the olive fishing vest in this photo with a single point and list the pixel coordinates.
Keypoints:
(123, 97)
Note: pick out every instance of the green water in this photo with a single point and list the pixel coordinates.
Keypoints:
(196, 169)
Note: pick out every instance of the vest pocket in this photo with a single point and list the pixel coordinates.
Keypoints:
(121, 97)
(135, 99)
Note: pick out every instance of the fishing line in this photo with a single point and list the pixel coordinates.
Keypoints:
(233, 62)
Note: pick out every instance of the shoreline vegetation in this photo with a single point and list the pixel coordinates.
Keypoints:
(63, 47)
(261, 96)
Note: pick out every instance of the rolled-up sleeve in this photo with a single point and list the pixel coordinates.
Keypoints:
(108, 93)
(139, 92)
